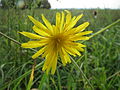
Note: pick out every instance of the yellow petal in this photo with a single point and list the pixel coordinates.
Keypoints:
(80, 45)
(76, 38)
(37, 23)
(70, 43)
(54, 64)
(70, 32)
(55, 30)
(77, 52)
(47, 23)
(74, 21)
(47, 61)
(58, 18)
(84, 33)
(82, 27)
(78, 35)
(65, 57)
(68, 18)
(40, 31)
(80, 49)
(49, 48)
(38, 53)
(50, 63)
(67, 11)
(72, 51)
(32, 44)
(62, 21)
(49, 55)
(71, 24)
(31, 35)
(62, 57)
(78, 17)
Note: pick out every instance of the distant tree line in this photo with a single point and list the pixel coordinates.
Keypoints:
(23, 4)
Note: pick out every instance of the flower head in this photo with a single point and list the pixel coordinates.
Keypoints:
(59, 40)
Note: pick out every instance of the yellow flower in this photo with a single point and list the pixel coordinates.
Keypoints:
(59, 40)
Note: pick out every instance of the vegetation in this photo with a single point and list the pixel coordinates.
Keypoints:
(23, 4)
(100, 62)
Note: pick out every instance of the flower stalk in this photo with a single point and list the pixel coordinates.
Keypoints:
(82, 73)
(105, 28)
(10, 38)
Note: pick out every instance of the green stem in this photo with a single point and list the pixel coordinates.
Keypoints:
(14, 40)
(105, 28)
(117, 73)
(82, 73)
(10, 38)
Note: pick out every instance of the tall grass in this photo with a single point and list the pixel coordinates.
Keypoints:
(100, 61)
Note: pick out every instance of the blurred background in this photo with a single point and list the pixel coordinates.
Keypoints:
(25, 4)
(60, 4)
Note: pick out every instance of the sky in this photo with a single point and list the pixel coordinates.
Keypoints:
(59, 4)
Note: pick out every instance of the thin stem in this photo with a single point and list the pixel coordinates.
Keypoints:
(105, 28)
(113, 75)
(82, 73)
(10, 38)
(14, 40)
(31, 76)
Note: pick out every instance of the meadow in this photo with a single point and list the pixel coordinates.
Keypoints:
(100, 61)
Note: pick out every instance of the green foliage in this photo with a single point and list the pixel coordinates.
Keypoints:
(44, 4)
(100, 61)
(8, 3)
(23, 4)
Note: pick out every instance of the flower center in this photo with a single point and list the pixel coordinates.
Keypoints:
(58, 41)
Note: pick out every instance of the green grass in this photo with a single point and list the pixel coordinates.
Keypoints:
(100, 62)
